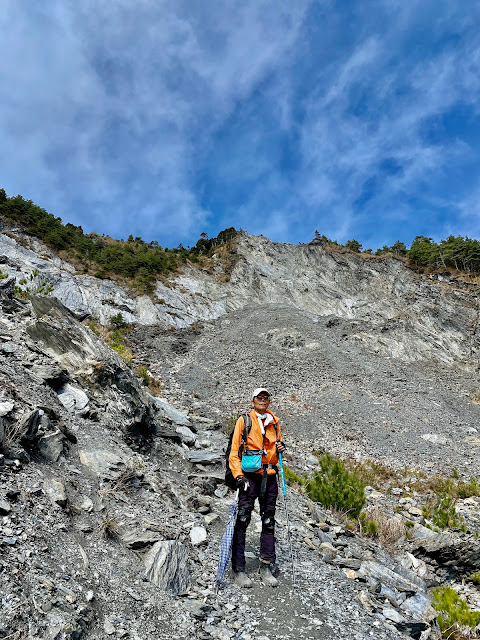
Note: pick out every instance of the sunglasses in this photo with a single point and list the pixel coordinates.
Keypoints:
(262, 397)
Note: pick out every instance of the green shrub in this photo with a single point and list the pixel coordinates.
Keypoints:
(291, 477)
(138, 261)
(117, 341)
(443, 515)
(118, 321)
(369, 527)
(335, 486)
(142, 372)
(3, 276)
(475, 578)
(454, 612)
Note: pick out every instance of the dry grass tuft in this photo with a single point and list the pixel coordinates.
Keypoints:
(109, 527)
(388, 529)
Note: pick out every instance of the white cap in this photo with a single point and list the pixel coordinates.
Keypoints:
(257, 392)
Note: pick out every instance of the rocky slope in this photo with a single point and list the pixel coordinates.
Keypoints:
(111, 501)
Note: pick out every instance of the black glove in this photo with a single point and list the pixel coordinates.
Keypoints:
(242, 483)
(280, 446)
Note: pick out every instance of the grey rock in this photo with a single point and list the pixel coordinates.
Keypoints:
(411, 576)
(389, 594)
(186, 435)
(87, 505)
(7, 287)
(435, 438)
(135, 539)
(419, 607)
(109, 627)
(204, 457)
(392, 614)
(102, 462)
(421, 535)
(162, 431)
(376, 573)
(29, 424)
(72, 398)
(55, 490)
(51, 445)
(55, 377)
(176, 416)
(211, 517)
(5, 508)
(324, 537)
(5, 408)
(312, 461)
(460, 557)
(347, 563)
(198, 535)
(167, 566)
(328, 550)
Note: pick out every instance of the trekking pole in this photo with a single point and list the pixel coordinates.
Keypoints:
(286, 513)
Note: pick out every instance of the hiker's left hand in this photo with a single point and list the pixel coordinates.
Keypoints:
(280, 446)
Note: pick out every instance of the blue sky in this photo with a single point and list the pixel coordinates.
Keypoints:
(166, 119)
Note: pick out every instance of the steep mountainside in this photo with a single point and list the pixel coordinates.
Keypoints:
(112, 500)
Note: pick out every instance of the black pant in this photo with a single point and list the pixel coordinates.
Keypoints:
(267, 503)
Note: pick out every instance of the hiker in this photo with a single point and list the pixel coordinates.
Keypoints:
(265, 438)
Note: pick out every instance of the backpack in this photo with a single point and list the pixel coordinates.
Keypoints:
(229, 479)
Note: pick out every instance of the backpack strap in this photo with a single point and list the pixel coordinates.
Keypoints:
(247, 422)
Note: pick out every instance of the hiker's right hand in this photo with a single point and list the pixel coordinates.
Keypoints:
(242, 483)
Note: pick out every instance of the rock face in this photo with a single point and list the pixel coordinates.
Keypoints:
(402, 315)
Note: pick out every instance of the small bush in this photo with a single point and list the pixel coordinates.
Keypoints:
(118, 321)
(442, 513)
(109, 527)
(142, 372)
(116, 341)
(18, 292)
(335, 486)
(454, 613)
(291, 477)
(3, 276)
(368, 527)
(475, 578)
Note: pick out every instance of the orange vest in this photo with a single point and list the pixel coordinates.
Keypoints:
(255, 441)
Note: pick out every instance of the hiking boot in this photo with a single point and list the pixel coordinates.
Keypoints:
(266, 575)
(242, 580)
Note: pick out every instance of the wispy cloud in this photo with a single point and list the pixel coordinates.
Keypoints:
(166, 119)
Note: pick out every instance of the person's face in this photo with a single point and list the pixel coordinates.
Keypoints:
(261, 402)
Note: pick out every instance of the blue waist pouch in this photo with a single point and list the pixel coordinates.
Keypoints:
(252, 460)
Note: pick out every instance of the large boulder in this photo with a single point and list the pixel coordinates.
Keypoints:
(167, 566)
